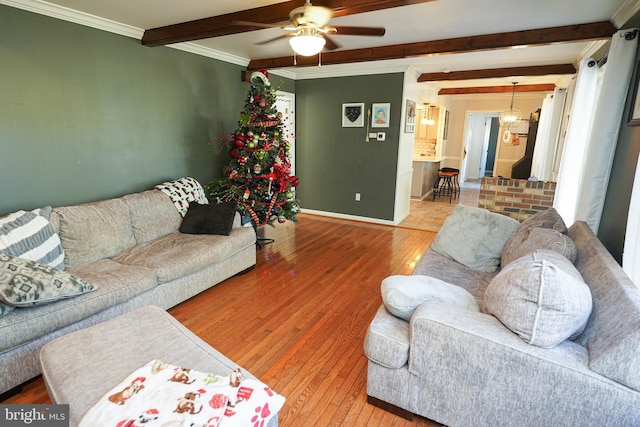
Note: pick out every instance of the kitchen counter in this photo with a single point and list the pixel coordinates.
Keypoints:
(425, 173)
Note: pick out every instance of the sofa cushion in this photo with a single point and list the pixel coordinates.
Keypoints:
(387, 340)
(93, 231)
(542, 238)
(403, 294)
(214, 218)
(29, 235)
(25, 283)
(548, 218)
(116, 284)
(440, 267)
(474, 237)
(153, 215)
(541, 297)
(177, 255)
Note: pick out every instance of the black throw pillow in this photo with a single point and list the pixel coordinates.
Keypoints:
(209, 219)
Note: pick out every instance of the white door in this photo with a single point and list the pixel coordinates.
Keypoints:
(285, 104)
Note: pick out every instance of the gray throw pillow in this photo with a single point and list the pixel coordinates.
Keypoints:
(542, 238)
(24, 282)
(548, 218)
(474, 237)
(541, 297)
(403, 294)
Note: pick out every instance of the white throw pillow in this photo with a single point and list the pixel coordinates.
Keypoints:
(403, 294)
(541, 297)
(474, 237)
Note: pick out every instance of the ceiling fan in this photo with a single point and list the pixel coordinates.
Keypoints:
(308, 30)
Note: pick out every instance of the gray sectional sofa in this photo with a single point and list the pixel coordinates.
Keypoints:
(130, 247)
(466, 367)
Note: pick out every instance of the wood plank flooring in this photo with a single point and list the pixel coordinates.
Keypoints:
(297, 321)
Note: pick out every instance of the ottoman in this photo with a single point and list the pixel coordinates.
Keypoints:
(79, 368)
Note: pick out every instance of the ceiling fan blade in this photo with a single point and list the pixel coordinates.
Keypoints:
(357, 31)
(331, 45)
(284, 36)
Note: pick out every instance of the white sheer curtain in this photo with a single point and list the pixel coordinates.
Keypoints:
(547, 138)
(631, 253)
(606, 126)
(575, 143)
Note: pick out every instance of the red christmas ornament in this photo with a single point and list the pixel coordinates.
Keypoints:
(239, 141)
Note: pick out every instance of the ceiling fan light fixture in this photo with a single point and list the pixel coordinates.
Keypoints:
(307, 42)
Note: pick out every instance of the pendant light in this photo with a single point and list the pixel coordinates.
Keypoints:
(510, 117)
(427, 117)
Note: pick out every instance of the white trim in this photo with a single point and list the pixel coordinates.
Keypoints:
(88, 20)
(70, 15)
(354, 70)
(210, 53)
(627, 11)
(349, 217)
(592, 49)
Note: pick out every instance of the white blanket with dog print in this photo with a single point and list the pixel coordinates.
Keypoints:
(159, 394)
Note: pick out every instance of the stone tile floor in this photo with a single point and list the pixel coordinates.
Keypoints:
(430, 215)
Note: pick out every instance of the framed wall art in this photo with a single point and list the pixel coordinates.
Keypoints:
(410, 117)
(353, 115)
(380, 115)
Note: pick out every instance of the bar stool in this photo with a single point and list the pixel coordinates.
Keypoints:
(447, 184)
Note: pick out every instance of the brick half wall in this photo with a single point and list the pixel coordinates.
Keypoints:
(516, 198)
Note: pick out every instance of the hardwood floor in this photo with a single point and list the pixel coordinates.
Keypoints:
(297, 321)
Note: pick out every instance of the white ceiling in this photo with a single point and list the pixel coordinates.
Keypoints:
(439, 19)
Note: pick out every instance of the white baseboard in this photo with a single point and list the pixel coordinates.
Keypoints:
(349, 217)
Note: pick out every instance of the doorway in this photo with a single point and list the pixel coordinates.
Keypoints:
(480, 145)
(285, 104)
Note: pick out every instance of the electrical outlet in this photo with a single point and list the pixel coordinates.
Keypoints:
(381, 136)
(357, 197)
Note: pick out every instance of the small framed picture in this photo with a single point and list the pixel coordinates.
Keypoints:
(380, 115)
(410, 117)
(353, 115)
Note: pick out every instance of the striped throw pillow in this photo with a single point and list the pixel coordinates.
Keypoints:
(29, 235)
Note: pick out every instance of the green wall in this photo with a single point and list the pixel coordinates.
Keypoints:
(86, 114)
(332, 162)
(613, 224)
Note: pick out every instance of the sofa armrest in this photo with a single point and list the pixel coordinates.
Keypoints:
(456, 336)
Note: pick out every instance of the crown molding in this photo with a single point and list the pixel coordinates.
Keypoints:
(208, 52)
(627, 11)
(70, 15)
(88, 20)
(347, 70)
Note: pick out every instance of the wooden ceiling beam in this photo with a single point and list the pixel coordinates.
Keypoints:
(223, 25)
(497, 89)
(537, 70)
(537, 37)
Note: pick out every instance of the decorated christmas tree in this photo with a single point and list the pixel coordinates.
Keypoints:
(258, 177)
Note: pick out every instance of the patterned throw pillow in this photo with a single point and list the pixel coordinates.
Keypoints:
(30, 235)
(24, 282)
